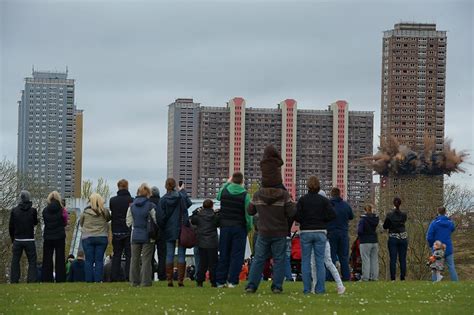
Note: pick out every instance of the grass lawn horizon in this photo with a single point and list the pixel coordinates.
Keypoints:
(421, 297)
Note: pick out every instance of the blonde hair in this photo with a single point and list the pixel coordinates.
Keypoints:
(97, 204)
(144, 190)
(54, 195)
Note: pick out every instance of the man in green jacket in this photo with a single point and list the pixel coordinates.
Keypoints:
(234, 223)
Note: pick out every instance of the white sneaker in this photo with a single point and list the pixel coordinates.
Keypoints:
(230, 285)
(341, 290)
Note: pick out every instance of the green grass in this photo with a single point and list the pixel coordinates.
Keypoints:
(361, 298)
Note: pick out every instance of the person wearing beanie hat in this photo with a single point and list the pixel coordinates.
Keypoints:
(160, 242)
(23, 219)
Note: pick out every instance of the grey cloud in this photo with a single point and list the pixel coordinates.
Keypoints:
(131, 59)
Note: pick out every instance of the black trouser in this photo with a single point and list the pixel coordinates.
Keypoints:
(161, 248)
(397, 247)
(121, 243)
(30, 251)
(207, 261)
(56, 247)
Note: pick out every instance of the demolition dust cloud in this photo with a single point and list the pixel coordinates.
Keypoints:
(398, 159)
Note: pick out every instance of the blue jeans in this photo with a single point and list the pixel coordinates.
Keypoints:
(266, 247)
(170, 247)
(288, 274)
(397, 247)
(232, 242)
(94, 249)
(313, 241)
(339, 241)
(449, 261)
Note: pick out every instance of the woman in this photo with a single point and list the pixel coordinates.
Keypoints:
(172, 212)
(54, 236)
(95, 230)
(397, 239)
(142, 245)
(313, 213)
(369, 247)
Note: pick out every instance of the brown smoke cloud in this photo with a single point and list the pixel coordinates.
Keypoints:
(398, 159)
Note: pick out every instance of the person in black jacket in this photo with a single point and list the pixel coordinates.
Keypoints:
(160, 242)
(313, 212)
(120, 232)
(23, 219)
(397, 239)
(369, 247)
(206, 222)
(77, 271)
(54, 236)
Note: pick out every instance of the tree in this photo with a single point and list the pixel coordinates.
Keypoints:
(102, 188)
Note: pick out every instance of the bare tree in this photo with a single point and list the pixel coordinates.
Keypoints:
(102, 188)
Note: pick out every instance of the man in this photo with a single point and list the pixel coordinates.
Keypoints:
(441, 229)
(233, 233)
(338, 232)
(160, 242)
(120, 232)
(23, 219)
(274, 207)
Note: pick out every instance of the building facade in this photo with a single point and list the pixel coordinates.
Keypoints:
(50, 132)
(413, 88)
(326, 143)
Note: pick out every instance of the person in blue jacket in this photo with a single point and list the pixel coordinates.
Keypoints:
(441, 229)
(338, 232)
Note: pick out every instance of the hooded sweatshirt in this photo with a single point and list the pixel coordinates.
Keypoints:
(441, 229)
(274, 207)
(170, 210)
(138, 215)
(53, 222)
(367, 228)
(270, 167)
(23, 219)
(94, 224)
(234, 204)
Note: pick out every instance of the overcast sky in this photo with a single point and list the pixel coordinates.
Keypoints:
(131, 59)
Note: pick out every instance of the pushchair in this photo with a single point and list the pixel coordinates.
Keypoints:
(295, 258)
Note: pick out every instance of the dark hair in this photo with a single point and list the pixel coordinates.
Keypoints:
(441, 210)
(208, 204)
(397, 202)
(122, 184)
(170, 184)
(70, 256)
(335, 192)
(238, 178)
(313, 184)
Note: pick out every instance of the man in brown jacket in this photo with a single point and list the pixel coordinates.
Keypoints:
(274, 207)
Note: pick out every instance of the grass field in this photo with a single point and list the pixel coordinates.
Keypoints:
(360, 298)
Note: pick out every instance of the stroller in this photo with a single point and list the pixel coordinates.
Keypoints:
(355, 261)
(295, 259)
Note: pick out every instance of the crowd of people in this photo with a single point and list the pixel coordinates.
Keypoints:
(148, 223)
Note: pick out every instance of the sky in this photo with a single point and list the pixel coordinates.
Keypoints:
(130, 59)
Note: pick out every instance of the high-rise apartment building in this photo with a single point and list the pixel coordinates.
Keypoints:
(50, 132)
(413, 86)
(221, 140)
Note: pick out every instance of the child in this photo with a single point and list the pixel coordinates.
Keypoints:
(270, 167)
(437, 260)
(206, 222)
(77, 272)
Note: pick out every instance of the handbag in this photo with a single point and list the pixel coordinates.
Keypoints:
(187, 236)
(152, 228)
